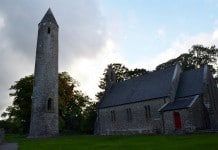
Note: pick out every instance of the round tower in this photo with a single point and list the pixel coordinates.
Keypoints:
(44, 115)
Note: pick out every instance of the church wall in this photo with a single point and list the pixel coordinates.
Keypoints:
(138, 123)
(192, 119)
(212, 95)
(186, 121)
(210, 98)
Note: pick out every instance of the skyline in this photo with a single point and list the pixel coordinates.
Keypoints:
(93, 34)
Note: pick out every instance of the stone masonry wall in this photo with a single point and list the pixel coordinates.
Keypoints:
(44, 116)
(212, 96)
(139, 123)
(191, 119)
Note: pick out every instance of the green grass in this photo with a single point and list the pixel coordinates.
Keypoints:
(139, 142)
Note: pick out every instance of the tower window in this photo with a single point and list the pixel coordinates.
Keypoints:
(49, 30)
(49, 104)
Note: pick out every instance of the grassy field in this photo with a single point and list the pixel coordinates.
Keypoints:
(139, 142)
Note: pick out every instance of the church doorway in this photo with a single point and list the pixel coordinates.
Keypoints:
(177, 120)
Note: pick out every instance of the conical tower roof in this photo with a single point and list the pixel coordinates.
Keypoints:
(49, 17)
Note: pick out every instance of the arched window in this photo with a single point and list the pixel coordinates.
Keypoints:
(49, 30)
(49, 104)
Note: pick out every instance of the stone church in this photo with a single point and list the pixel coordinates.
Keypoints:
(165, 101)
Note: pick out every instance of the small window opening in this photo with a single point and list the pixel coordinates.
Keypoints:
(49, 104)
(129, 114)
(49, 30)
(147, 112)
(113, 117)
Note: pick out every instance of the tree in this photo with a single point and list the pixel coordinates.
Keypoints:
(19, 112)
(198, 56)
(121, 72)
(136, 72)
(89, 119)
(72, 105)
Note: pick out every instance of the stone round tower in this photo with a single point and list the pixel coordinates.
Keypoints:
(44, 116)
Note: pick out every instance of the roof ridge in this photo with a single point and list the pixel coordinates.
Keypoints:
(148, 74)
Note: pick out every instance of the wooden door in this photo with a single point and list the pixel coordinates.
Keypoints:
(177, 120)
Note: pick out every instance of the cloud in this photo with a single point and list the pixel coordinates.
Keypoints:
(180, 45)
(2, 23)
(82, 33)
(89, 71)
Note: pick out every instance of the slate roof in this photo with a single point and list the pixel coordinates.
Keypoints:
(191, 83)
(148, 86)
(156, 85)
(49, 17)
(180, 103)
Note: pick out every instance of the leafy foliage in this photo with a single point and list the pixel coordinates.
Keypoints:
(19, 113)
(198, 56)
(74, 106)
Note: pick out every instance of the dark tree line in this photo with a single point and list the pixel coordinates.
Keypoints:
(76, 111)
(197, 56)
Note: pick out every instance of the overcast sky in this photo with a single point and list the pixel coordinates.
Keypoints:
(94, 33)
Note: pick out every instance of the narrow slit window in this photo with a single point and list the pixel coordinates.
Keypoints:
(147, 112)
(49, 30)
(113, 118)
(49, 104)
(129, 114)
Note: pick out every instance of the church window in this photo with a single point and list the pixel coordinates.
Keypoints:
(129, 114)
(113, 117)
(49, 104)
(147, 112)
(49, 30)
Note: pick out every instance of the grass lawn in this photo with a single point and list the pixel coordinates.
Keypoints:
(136, 142)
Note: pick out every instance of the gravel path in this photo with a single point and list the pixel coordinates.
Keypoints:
(9, 146)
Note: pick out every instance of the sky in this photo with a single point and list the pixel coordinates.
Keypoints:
(95, 33)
